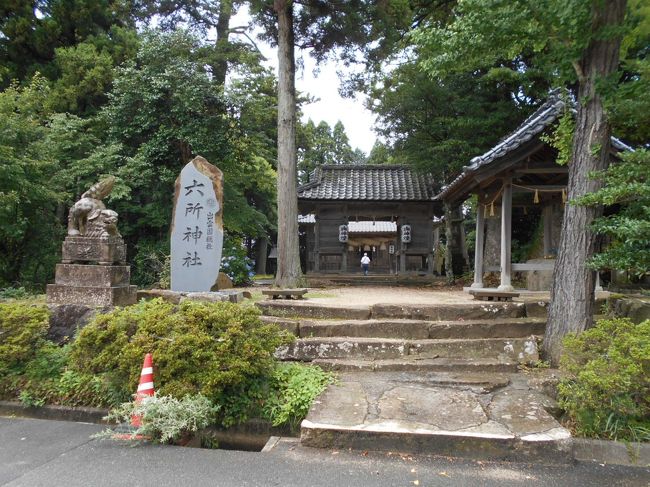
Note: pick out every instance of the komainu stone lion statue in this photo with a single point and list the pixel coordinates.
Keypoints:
(88, 217)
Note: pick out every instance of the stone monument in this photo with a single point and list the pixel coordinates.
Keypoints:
(93, 271)
(197, 227)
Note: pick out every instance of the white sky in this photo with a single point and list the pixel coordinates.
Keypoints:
(330, 107)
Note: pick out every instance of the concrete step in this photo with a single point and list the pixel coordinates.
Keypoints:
(450, 311)
(373, 279)
(522, 350)
(418, 364)
(412, 329)
(428, 312)
(462, 418)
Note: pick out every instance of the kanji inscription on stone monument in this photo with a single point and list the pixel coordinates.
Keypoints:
(197, 227)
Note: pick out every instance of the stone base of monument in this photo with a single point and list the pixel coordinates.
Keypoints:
(103, 250)
(92, 295)
(91, 284)
(92, 275)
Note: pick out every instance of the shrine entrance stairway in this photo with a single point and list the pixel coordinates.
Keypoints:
(453, 379)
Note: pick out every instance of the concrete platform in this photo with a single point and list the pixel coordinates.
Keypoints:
(478, 416)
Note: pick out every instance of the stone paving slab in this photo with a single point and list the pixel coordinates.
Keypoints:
(463, 417)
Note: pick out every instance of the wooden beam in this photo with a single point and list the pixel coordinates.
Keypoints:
(500, 166)
(543, 170)
(540, 187)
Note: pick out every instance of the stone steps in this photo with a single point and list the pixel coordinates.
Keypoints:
(523, 350)
(425, 378)
(412, 329)
(418, 364)
(487, 419)
(429, 312)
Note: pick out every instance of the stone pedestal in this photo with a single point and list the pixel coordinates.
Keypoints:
(89, 284)
(540, 280)
(103, 251)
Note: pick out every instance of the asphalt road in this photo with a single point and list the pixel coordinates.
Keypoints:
(54, 453)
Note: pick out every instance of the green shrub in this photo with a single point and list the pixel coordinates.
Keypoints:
(607, 392)
(214, 349)
(14, 293)
(165, 418)
(235, 263)
(293, 388)
(22, 332)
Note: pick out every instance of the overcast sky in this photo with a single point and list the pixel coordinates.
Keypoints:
(330, 106)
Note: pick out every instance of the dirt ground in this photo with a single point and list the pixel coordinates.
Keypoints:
(370, 295)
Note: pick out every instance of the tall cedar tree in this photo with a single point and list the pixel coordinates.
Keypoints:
(567, 41)
(288, 272)
(572, 293)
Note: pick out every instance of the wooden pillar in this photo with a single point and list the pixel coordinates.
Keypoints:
(344, 256)
(430, 243)
(547, 216)
(316, 243)
(478, 251)
(506, 237)
(436, 250)
(449, 237)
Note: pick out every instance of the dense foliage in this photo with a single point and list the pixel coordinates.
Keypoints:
(626, 192)
(213, 362)
(235, 263)
(22, 333)
(607, 392)
(292, 389)
(196, 347)
(165, 418)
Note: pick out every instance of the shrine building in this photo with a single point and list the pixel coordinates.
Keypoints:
(518, 184)
(385, 211)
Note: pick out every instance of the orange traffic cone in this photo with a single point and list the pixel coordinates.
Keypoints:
(145, 388)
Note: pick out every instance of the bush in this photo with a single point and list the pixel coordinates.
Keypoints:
(14, 293)
(165, 418)
(607, 392)
(293, 388)
(22, 332)
(235, 263)
(152, 264)
(214, 349)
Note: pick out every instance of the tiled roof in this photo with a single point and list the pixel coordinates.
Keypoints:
(544, 116)
(367, 182)
(372, 227)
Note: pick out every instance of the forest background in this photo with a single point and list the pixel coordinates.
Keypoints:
(135, 89)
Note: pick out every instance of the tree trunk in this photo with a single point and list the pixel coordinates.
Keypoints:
(288, 273)
(572, 293)
(220, 67)
(262, 251)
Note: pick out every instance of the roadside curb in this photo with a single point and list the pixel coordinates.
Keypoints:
(612, 452)
(584, 449)
(58, 413)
